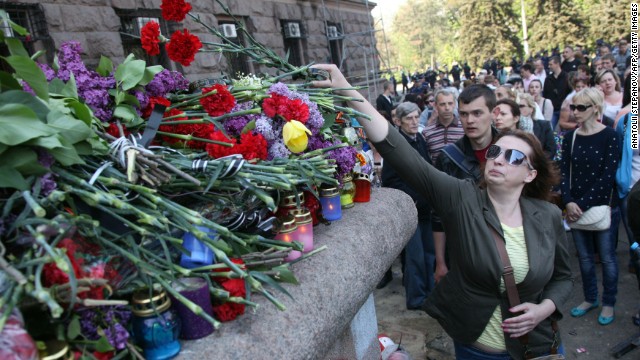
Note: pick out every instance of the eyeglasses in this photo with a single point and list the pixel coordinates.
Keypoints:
(580, 108)
(523, 106)
(431, 100)
(512, 156)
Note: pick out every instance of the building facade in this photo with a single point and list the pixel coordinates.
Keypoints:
(335, 31)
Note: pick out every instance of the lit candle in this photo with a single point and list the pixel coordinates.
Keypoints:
(304, 232)
(286, 233)
(155, 325)
(330, 202)
(347, 193)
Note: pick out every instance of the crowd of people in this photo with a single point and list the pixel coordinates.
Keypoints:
(514, 159)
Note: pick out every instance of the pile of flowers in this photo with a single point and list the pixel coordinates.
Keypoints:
(90, 213)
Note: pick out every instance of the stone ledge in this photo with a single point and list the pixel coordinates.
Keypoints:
(334, 285)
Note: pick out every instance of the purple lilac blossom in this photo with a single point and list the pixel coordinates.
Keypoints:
(345, 157)
(280, 89)
(70, 60)
(165, 82)
(234, 125)
(278, 150)
(27, 88)
(117, 336)
(264, 126)
(143, 99)
(47, 184)
(49, 73)
(315, 121)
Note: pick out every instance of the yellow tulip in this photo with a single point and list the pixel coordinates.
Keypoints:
(294, 134)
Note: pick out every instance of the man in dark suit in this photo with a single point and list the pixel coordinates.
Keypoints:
(384, 102)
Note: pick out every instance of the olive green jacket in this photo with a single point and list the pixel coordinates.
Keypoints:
(464, 300)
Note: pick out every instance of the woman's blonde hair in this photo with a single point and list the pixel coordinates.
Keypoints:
(590, 96)
(604, 72)
(529, 100)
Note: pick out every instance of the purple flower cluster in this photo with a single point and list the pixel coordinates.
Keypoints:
(47, 181)
(165, 82)
(345, 157)
(278, 150)
(315, 121)
(234, 125)
(113, 320)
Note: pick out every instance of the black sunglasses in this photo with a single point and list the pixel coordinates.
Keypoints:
(523, 106)
(581, 108)
(512, 156)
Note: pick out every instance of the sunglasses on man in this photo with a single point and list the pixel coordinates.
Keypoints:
(512, 156)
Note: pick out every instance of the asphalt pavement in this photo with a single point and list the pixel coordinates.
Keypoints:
(583, 337)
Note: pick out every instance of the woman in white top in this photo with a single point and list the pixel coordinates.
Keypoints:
(535, 89)
(609, 83)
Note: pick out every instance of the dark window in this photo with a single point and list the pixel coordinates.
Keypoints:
(132, 22)
(335, 36)
(237, 63)
(293, 34)
(31, 17)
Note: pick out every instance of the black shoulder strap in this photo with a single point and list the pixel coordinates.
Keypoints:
(457, 156)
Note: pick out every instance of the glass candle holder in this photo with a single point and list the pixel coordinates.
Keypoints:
(196, 290)
(286, 233)
(330, 201)
(288, 202)
(200, 254)
(363, 187)
(155, 325)
(304, 231)
(347, 193)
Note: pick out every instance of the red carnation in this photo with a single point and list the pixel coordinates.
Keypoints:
(152, 103)
(279, 105)
(175, 10)
(236, 287)
(219, 103)
(150, 38)
(115, 132)
(183, 47)
(217, 151)
(253, 146)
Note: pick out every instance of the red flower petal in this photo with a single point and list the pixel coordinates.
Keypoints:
(150, 35)
(183, 47)
(175, 10)
(219, 103)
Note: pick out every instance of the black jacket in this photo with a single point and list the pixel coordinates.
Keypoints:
(542, 130)
(382, 103)
(391, 178)
(556, 90)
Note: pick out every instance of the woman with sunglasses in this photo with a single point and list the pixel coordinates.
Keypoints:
(567, 121)
(540, 128)
(590, 158)
(470, 301)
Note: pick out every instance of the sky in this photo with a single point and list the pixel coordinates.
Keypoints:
(388, 10)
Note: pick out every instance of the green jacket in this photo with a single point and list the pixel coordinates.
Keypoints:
(464, 300)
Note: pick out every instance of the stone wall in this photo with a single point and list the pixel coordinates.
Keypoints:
(95, 24)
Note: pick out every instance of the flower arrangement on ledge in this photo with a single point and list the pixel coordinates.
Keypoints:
(111, 177)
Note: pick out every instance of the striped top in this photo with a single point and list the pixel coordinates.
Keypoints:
(438, 136)
(493, 335)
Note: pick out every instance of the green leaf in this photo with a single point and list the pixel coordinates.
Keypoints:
(84, 148)
(130, 73)
(102, 345)
(250, 126)
(73, 329)
(26, 99)
(3, 148)
(19, 124)
(285, 274)
(269, 281)
(125, 112)
(17, 28)
(15, 47)
(149, 73)
(329, 120)
(66, 154)
(73, 130)
(80, 110)
(23, 159)
(8, 82)
(47, 142)
(105, 67)
(27, 70)
(99, 146)
(11, 178)
(131, 100)
(70, 89)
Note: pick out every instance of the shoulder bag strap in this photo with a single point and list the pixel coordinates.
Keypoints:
(573, 141)
(514, 297)
(454, 153)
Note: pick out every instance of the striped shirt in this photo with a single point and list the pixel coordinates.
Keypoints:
(493, 335)
(438, 136)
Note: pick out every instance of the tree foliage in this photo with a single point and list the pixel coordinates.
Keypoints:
(474, 31)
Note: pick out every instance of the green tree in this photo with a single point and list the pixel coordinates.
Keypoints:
(607, 19)
(543, 21)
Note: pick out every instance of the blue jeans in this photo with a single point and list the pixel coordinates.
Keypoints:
(419, 263)
(554, 120)
(467, 352)
(625, 219)
(584, 241)
(615, 224)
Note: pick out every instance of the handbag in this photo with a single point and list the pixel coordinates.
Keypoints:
(597, 218)
(514, 299)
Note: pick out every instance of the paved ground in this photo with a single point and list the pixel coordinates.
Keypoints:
(583, 337)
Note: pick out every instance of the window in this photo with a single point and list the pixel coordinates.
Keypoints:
(237, 63)
(335, 36)
(293, 34)
(131, 22)
(31, 17)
